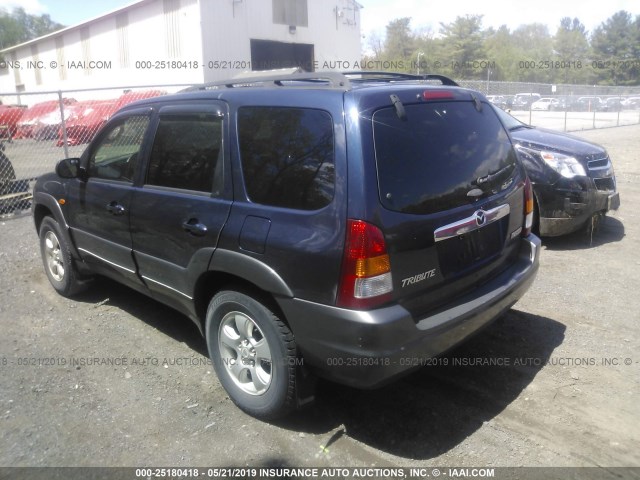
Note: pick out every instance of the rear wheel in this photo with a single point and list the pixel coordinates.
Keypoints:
(58, 263)
(254, 354)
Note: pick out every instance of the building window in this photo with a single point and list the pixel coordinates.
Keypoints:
(291, 12)
(171, 10)
(122, 28)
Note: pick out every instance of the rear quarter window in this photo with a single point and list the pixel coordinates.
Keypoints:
(287, 156)
(431, 160)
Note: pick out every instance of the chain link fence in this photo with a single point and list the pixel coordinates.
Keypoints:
(38, 129)
(564, 107)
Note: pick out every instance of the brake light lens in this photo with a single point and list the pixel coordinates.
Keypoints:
(528, 208)
(365, 279)
(437, 95)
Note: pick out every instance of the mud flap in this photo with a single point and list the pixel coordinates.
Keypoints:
(305, 386)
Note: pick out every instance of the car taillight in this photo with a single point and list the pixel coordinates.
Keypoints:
(365, 279)
(437, 95)
(528, 208)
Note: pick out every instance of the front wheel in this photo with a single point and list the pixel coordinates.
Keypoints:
(254, 354)
(58, 263)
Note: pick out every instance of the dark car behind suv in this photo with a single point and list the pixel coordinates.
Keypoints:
(348, 226)
(573, 180)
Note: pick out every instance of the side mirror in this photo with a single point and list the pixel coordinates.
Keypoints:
(69, 168)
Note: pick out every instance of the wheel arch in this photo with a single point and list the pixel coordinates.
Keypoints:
(45, 205)
(214, 281)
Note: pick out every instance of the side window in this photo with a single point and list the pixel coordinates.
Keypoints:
(116, 156)
(287, 156)
(187, 153)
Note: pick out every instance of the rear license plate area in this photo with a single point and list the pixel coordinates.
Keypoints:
(470, 249)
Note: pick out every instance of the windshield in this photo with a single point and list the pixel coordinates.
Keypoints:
(509, 122)
(431, 160)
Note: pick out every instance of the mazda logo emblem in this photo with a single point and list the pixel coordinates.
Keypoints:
(481, 218)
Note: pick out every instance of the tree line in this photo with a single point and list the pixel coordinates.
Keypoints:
(463, 49)
(19, 26)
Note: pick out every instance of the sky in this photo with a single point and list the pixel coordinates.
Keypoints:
(426, 14)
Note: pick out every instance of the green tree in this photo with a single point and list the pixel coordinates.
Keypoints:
(19, 26)
(427, 51)
(527, 54)
(613, 43)
(463, 44)
(532, 44)
(571, 49)
(634, 71)
(502, 52)
(399, 43)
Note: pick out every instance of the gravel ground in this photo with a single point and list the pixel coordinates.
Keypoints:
(565, 391)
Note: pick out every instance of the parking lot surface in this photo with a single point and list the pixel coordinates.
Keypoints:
(112, 378)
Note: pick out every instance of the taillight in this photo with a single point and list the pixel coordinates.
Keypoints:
(528, 208)
(365, 279)
(437, 95)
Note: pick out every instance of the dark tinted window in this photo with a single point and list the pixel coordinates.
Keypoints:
(290, 12)
(443, 150)
(185, 152)
(116, 155)
(287, 156)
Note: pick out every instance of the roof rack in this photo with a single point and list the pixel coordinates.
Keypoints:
(331, 79)
(379, 76)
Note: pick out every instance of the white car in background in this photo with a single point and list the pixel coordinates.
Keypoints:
(542, 104)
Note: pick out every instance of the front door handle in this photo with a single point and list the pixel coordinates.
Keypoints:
(194, 227)
(115, 208)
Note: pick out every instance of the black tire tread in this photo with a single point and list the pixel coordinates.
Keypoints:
(288, 404)
(73, 283)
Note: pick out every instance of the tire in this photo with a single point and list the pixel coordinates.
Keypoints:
(58, 263)
(254, 354)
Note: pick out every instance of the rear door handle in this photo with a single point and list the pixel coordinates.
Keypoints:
(115, 208)
(194, 227)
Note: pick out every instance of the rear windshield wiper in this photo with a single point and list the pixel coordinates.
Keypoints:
(518, 127)
(397, 104)
(492, 176)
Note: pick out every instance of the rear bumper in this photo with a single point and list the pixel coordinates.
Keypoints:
(366, 349)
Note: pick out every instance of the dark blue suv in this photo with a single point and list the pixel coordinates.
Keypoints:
(349, 226)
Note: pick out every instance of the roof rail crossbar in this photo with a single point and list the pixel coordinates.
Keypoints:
(330, 79)
(380, 76)
(445, 80)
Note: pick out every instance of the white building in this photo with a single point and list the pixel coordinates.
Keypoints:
(162, 42)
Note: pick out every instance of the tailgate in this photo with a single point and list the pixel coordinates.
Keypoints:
(451, 189)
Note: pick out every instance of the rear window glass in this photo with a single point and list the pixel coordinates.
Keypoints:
(287, 156)
(431, 160)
